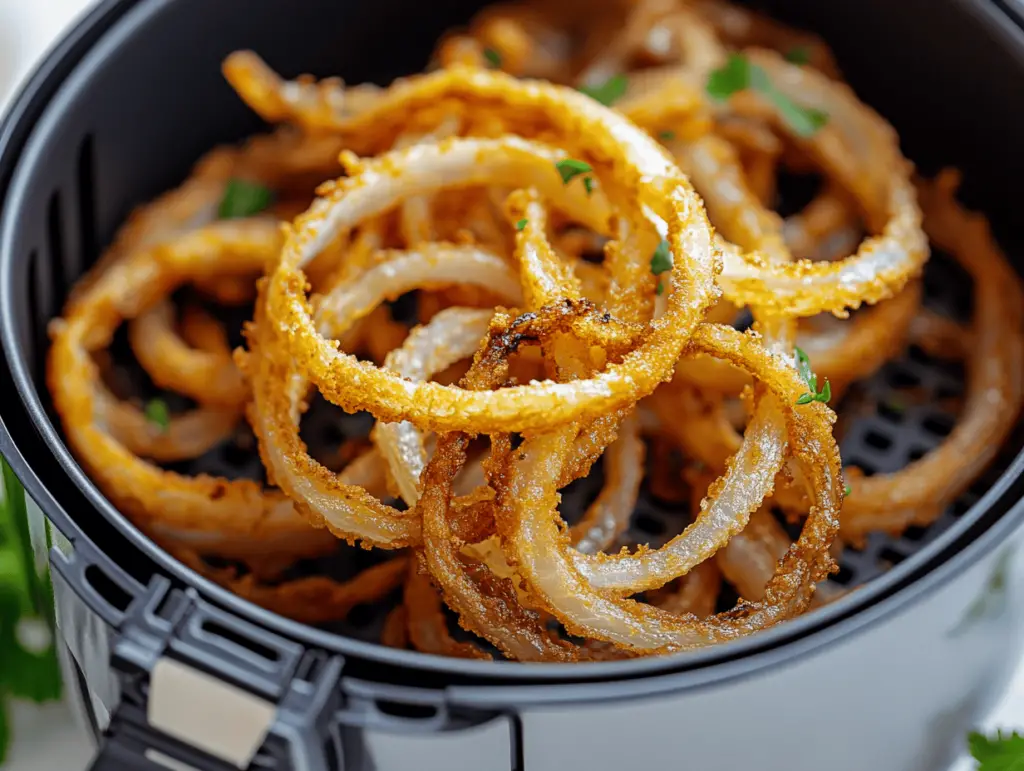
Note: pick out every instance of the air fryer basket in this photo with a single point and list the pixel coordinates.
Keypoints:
(110, 121)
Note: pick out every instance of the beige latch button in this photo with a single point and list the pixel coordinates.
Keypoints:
(207, 713)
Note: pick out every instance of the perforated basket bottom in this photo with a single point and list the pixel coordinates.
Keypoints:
(900, 414)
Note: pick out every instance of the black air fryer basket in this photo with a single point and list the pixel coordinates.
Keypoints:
(170, 671)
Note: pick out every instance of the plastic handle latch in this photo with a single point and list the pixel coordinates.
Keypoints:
(204, 689)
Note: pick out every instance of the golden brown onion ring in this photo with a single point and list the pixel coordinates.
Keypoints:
(206, 373)
(186, 435)
(394, 633)
(426, 622)
(920, 492)
(741, 27)
(347, 383)
(696, 595)
(279, 390)
(236, 517)
(527, 508)
(313, 600)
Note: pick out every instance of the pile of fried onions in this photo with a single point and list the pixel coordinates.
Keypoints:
(579, 207)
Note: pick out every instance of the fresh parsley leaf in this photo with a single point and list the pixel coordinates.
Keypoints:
(731, 78)
(660, 289)
(803, 368)
(570, 168)
(666, 136)
(847, 490)
(825, 394)
(799, 55)
(243, 199)
(805, 121)
(493, 57)
(521, 224)
(608, 92)
(739, 74)
(158, 414)
(661, 261)
(1003, 752)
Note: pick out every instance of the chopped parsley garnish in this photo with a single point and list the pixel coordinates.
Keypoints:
(1002, 752)
(521, 224)
(158, 414)
(493, 57)
(570, 168)
(661, 260)
(799, 55)
(740, 74)
(608, 92)
(666, 136)
(803, 367)
(660, 289)
(847, 490)
(243, 199)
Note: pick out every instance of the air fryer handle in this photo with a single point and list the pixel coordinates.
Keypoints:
(131, 744)
(200, 687)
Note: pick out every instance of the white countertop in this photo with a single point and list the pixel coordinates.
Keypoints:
(46, 737)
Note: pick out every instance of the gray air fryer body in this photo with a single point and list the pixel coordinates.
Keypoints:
(169, 669)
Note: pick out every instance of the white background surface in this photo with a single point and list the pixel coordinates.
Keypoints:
(46, 738)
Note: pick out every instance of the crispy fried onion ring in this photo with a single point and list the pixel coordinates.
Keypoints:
(203, 370)
(376, 184)
(528, 523)
(919, 493)
(279, 390)
(236, 517)
(575, 305)
(312, 600)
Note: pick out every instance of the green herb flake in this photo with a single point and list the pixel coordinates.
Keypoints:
(731, 78)
(825, 394)
(1002, 752)
(608, 92)
(739, 74)
(158, 414)
(521, 224)
(666, 136)
(803, 368)
(800, 55)
(805, 121)
(570, 168)
(660, 289)
(847, 490)
(588, 184)
(661, 261)
(493, 58)
(244, 199)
